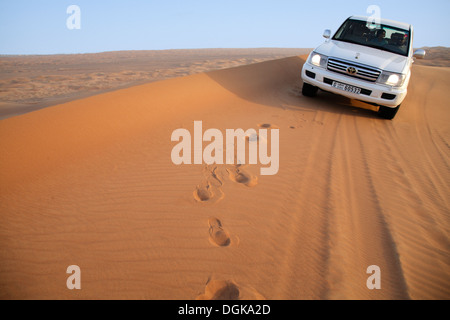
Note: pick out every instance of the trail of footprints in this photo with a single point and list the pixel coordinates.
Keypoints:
(210, 191)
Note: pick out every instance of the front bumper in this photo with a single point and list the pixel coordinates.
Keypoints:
(372, 93)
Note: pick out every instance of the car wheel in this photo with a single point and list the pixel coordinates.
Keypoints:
(309, 90)
(388, 113)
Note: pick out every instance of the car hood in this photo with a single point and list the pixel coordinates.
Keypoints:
(369, 56)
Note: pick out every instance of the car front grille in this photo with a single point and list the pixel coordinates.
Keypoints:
(353, 70)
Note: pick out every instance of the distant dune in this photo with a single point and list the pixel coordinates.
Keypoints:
(29, 83)
(436, 56)
(91, 183)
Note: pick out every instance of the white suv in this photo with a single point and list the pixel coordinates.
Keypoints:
(367, 61)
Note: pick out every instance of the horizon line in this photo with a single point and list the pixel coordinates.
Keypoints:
(175, 49)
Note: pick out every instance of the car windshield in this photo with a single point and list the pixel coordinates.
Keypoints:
(383, 37)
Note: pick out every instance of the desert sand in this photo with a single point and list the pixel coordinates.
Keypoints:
(32, 82)
(91, 183)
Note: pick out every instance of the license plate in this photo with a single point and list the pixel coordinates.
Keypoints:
(346, 87)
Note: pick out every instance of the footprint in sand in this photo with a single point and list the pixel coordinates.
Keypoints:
(267, 126)
(203, 193)
(217, 235)
(228, 290)
(220, 290)
(209, 189)
(239, 175)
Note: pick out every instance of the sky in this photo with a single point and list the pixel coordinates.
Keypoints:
(40, 26)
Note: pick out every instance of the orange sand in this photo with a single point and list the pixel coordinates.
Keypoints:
(91, 183)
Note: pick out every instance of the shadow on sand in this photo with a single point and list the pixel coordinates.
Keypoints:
(278, 84)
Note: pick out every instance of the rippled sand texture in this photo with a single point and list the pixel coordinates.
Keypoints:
(91, 183)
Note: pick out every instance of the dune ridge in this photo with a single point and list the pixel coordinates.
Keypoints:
(91, 183)
(33, 82)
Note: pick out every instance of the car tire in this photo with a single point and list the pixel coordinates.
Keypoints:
(309, 90)
(388, 113)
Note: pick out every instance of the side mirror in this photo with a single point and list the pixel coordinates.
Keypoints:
(419, 54)
(327, 34)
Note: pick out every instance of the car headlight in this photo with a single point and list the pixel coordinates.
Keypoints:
(319, 60)
(392, 79)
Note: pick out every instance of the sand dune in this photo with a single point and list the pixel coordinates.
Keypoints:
(91, 183)
(435, 56)
(29, 83)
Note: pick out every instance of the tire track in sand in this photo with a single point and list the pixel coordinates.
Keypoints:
(420, 236)
(360, 236)
(305, 213)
